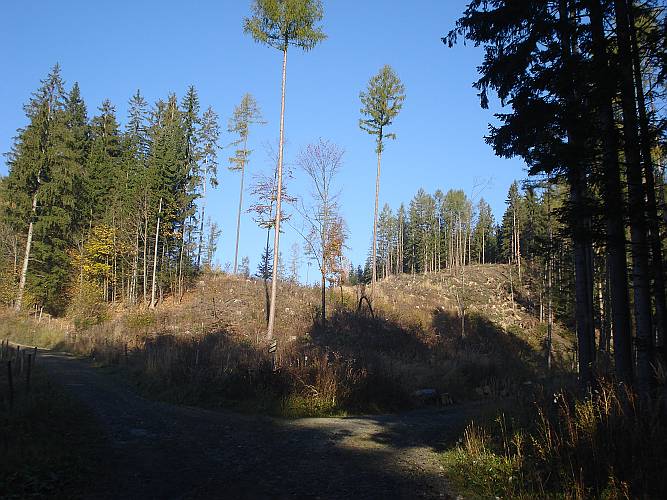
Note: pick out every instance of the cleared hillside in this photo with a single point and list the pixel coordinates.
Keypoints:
(209, 348)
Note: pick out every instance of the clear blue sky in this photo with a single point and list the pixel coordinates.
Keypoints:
(114, 48)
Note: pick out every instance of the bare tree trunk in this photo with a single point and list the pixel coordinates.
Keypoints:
(279, 189)
(26, 258)
(201, 224)
(375, 219)
(265, 273)
(238, 218)
(145, 280)
(132, 291)
(324, 300)
(157, 239)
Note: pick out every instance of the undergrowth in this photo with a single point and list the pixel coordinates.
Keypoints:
(48, 443)
(607, 445)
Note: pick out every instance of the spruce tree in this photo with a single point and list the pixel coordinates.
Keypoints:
(381, 102)
(42, 183)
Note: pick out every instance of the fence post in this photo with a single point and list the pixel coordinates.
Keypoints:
(27, 376)
(11, 384)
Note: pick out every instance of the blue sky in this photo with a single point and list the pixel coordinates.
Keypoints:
(114, 48)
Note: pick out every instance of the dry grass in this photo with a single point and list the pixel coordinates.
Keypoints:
(604, 445)
(209, 348)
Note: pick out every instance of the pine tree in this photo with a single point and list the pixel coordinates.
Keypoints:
(247, 113)
(381, 103)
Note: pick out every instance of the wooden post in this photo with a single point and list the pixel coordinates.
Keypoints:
(11, 384)
(27, 376)
(34, 356)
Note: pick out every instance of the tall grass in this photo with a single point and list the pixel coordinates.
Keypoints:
(605, 445)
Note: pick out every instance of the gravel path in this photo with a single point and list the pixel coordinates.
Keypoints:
(160, 450)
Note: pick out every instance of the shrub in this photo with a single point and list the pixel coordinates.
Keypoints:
(87, 307)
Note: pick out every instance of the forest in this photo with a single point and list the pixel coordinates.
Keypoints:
(540, 331)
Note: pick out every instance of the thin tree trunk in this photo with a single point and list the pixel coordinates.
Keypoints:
(279, 189)
(201, 224)
(157, 239)
(26, 258)
(265, 273)
(238, 218)
(132, 293)
(324, 301)
(145, 280)
(375, 219)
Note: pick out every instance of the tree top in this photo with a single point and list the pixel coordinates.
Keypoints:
(281, 23)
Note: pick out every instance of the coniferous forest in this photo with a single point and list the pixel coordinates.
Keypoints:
(527, 345)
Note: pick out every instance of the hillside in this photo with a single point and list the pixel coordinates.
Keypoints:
(361, 362)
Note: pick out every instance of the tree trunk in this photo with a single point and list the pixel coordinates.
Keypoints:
(26, 258)
(238, 218)
(145, 280)
(157, 239)
(279, 189)
(614, 204)
(636, 194)
(580, 219)
(265, 273)
(375, 219)
(651, 203)
(324, 301)
(201, 224)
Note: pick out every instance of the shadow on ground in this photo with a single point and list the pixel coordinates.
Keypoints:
(160, 450)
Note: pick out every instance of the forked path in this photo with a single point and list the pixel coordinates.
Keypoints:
(160, 450)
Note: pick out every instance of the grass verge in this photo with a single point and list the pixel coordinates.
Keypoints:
(606, 445)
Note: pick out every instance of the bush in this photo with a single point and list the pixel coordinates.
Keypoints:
(87, 307)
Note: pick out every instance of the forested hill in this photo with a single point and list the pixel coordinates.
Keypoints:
(93, 207)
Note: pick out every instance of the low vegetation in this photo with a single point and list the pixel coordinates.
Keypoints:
(604, 445)
(48, 443)
(209, 349)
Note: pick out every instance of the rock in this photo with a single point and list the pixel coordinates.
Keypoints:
(426, 396)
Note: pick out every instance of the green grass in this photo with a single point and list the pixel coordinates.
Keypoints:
(49, 445)
(485, 475)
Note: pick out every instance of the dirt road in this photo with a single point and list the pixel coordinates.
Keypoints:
(160, 450)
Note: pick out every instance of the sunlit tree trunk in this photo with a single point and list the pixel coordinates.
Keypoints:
(26, 257)
(279, 189)
(238, 217)
(157, 240)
